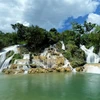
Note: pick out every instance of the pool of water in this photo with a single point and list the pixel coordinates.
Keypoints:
(53, 86)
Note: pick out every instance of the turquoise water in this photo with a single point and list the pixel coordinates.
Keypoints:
(53, 86)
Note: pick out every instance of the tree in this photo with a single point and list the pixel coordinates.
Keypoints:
(88, 26)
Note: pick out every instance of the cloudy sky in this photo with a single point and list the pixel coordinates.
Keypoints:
(48, 13)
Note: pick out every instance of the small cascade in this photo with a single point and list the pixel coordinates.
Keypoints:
(92, 60)
(63, 46)
(2, 58)
(67, 64)
(4, 63)
(25, 68)
(91, 57)
(74, 70)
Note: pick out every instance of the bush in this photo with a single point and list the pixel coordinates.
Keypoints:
(16, 56)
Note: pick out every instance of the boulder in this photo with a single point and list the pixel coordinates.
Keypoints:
(60, 60)
(68, 69)
(13, 66)
(79, 69)
(42, 58)
(9, 71)
(36, 57)
(37, 70)
(20, 71)
(60, 69)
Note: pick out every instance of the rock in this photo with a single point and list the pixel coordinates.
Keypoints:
(32, 70)
(60, 60)
(60, 69)
(9, 71)
(55, 66)
(68, 69)
(13, 66)
(20, 71)
(42, 58)
(36, 57)
(79, 69)
(37, 70)
(50, 70)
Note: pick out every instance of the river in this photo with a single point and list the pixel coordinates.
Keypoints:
(50, 86)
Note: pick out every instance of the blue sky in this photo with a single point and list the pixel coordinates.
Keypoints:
(81, 19)
(48, 13)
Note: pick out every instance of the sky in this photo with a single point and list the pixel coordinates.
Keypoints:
(48, 13)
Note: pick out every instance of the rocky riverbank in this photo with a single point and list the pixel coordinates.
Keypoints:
(13, 70)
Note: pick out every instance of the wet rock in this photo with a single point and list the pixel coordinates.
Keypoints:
(31, 70)
(13, 66)
(42, 58)
(50, 70)
(21, 71)
(37, 70)
(79, 69)
(60, 69)
(60, 60)
(68, 69)
(36, 57)
(8, 71)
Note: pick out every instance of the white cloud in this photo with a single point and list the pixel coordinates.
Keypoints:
(45, 13)
(94, 18)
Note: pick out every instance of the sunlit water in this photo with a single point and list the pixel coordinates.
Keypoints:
(53, 86)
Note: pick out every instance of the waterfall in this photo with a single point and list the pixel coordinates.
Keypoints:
(2, 58)
(63, 46)
(67, 64)
(91, 57)
(4, 63)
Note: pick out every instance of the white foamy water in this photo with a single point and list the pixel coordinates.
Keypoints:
(92, 68)
(63, 46)
(91, 57)
(4, 63)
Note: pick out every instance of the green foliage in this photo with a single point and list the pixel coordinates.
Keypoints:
(9, 54)
(16, 56)
(1, 45)
(68, 36)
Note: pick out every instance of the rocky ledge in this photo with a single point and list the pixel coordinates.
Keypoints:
(13, 70)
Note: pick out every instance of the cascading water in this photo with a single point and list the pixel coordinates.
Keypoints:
(91, 59)
(63, 46)
(4, 63)
(2, 58)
